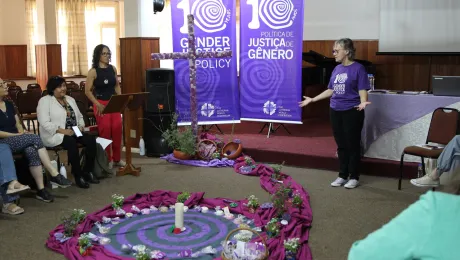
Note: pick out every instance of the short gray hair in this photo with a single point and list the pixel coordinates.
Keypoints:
(347, 44)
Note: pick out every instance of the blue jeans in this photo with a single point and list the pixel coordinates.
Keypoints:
(448, 155)
(7, 173)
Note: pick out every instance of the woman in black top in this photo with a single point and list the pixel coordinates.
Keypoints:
(58, 114)
(13, 134)
(101, 84)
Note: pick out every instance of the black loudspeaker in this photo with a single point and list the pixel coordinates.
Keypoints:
(160, 85)
(154, 126)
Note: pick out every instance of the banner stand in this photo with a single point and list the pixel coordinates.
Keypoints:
(271, 130)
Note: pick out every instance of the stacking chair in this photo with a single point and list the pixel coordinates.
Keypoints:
(443, 128)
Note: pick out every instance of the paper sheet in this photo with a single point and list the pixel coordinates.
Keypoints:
(77, 131)
(103, 142)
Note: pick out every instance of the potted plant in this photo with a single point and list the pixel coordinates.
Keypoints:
(253, 203)
(249, 165)
(84, 244)
(277, 175)
(233, 148)
(71, 222)
(291, 246)
(297, 200)
(183, 197)
(183, 142)
(272, 228)
(280, 199)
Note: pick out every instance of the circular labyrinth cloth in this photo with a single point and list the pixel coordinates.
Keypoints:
(154, 231)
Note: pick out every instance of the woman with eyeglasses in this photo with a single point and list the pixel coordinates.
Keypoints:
(348, 92)
(57, 114)
(101, 84)
(13, 134)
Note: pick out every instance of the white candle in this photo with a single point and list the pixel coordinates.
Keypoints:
(179, 210)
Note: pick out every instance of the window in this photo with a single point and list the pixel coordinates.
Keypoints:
(106, 32)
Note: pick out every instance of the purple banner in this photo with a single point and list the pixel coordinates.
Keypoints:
(271, 60)
(216, 78)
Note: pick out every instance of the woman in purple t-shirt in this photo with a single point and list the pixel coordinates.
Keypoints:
(348, 92)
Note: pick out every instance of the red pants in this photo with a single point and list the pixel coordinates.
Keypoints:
(109, 127)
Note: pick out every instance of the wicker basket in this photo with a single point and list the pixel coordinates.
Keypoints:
(264, 257)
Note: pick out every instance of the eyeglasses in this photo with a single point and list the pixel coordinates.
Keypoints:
(106, 54)
(336, 51)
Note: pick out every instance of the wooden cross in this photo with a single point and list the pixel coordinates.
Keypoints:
(192, 55)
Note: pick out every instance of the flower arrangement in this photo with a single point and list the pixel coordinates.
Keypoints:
(143, 254)
(277, 171)
(117, 201)
(297, 200)
(183, 141)
(291, 246)
(273, 227)
(280, 198)
(71, 222)
(183, 197)
(253, 203)
(84, 244)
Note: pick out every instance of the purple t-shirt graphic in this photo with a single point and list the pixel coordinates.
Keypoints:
(347, 81)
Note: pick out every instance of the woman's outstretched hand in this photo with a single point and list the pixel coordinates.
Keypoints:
(362, 105)
(306, 101)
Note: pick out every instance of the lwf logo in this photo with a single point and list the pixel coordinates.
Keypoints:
(276, 14)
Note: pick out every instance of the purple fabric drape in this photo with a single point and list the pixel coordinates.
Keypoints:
(298, 226)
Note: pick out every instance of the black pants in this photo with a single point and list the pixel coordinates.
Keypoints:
(70, 144)
(347, 126)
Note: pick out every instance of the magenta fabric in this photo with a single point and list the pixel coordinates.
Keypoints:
(298, 226)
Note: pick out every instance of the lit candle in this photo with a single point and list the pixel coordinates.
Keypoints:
(179, 210)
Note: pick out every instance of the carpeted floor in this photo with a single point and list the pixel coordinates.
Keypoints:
(340, 216)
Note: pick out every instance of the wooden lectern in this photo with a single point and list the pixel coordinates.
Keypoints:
(123, 104)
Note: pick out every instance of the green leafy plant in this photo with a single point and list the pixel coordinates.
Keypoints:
(291, 245)
(117, 201)
(297, 200)
(70, 222)
(280, 198)
(143, 255)
(176, 139)
(253, 202)
(277, 170)
(84, 243)
(183, 197)
(273, 227)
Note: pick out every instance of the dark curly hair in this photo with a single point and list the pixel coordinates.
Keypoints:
(97, 55)
(53, 83)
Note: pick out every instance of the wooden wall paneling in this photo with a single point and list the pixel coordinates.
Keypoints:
(48, 62)
(135, 59)
(13, 61)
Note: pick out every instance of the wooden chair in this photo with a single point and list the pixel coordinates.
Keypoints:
(83, 104)
(34, 87)
(443, 127)
(71, 86)
(13, 93)
(27, 103)
(82, 85)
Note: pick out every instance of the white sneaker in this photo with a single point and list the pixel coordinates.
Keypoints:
(351, 184)
(338, 182)
(110, 165)
(425, 181)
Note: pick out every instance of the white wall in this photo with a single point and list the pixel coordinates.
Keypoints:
(13, 22)
(333, 19)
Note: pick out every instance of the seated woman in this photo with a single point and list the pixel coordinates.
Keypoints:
(13, 134)
(57, 113)
(9, 185)
(444, 164)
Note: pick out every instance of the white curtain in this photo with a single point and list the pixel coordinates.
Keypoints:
(72, 34)
(31, 21)
(419, 26)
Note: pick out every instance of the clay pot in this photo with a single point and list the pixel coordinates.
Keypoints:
(232, 150)
(181, 155)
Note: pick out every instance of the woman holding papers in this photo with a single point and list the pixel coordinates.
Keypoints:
(348, 92)
(101, 85)
(61, 123)
(12, 133)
